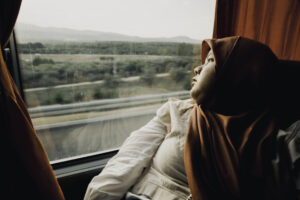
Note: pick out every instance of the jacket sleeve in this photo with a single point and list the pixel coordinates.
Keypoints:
(136, 153)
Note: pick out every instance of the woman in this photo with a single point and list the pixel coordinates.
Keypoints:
(230, 90)
(229, 144)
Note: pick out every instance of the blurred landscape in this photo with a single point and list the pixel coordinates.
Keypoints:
(61, 66)
(87, 90)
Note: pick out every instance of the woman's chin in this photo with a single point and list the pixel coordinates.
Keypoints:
(192, 94)
(197, 97)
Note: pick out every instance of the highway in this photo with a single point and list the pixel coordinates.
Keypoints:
(88, 135)
(103, 105)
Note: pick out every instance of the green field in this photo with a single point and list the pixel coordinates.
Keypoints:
(87, 58)
(61, 78)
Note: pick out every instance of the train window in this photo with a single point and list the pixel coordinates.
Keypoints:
(94, 71)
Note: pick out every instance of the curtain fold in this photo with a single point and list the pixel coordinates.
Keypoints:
(275, 23)
(25, 170)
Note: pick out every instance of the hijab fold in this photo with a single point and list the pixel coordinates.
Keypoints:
(229, 138)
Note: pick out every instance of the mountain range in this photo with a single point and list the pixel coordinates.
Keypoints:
(33, 33)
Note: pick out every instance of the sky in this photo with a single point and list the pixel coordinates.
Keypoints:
(144, 18)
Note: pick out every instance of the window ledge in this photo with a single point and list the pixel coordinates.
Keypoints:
(82, 164)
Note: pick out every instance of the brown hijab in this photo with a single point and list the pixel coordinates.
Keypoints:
(228, 145)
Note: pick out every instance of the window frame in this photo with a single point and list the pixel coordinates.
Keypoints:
(11, 58)
(64, 167)
(75, 173)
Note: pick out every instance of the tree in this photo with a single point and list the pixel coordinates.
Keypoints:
(177, 74)
(111, 81)
(185, 49)
(78, 77)
(148, 76)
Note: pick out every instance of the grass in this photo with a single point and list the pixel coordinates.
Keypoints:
(81, 58)
(126, 89)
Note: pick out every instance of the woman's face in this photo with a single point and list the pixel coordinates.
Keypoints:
(204, 79)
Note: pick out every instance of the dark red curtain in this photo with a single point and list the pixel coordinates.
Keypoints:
(275, 23)
(25, 170)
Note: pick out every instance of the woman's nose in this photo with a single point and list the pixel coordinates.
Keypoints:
(197, 70)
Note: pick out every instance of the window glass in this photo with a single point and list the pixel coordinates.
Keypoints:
(93, 71)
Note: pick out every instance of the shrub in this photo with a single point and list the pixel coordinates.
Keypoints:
(47, 102)
(111, 94)
(79, 96)
(59, 98)
(98, 94)
(37, 61)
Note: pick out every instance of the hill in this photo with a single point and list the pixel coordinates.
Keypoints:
(32, 33)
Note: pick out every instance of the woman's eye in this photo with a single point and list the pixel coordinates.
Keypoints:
(210, 60)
